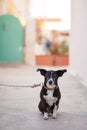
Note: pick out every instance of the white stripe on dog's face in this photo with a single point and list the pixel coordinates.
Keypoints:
(50, 79)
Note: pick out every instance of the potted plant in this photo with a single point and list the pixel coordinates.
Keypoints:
(58, 55)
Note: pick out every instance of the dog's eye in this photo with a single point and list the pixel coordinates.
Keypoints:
(48, 76)
(54, 76)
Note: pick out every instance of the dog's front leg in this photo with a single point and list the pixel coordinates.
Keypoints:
(54, 112)
(45, 111)
(45, 116)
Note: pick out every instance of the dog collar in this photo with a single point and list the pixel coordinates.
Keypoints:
(50, 88)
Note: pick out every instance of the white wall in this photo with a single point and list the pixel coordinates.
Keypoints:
(78, 42)
(51, 9)
(21, 7)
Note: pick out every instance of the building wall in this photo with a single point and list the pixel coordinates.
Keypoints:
(30, 39)
(21, 9)
(78, 41)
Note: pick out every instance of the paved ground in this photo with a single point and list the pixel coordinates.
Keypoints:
(18, 106)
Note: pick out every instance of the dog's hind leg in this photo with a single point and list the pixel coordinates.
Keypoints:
(40, 106)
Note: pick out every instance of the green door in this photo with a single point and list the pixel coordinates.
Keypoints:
(11, 39)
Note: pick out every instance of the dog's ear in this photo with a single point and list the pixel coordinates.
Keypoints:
(42, 71)
(61, 72)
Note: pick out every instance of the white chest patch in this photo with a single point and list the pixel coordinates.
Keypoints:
(49, 97)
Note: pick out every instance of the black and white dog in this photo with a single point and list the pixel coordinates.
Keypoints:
(50, 94)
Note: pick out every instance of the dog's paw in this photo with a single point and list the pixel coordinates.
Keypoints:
(54, 116)
(45, 116)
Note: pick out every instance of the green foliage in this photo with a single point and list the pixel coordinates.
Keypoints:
(61, 49)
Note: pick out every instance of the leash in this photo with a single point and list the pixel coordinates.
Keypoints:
(14, 85)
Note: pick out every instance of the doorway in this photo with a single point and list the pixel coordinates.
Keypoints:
(11, 39)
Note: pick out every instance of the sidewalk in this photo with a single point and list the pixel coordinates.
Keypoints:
(18, 106)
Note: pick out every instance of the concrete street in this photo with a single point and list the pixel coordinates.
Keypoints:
(19, 106)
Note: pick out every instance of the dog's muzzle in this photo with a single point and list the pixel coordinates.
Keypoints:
(50, 83)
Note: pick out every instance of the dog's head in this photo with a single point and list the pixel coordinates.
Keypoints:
(51, 77)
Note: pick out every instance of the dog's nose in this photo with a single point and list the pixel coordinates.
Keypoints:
(50, 82)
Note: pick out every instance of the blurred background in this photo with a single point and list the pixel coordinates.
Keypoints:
(44, 32)
(35, 29)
